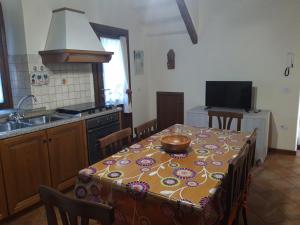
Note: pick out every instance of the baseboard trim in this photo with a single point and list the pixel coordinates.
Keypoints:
(282, 151)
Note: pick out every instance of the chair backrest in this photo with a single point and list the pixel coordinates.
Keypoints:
(227, 119)
(71, 211)
(249, 162)
(115, 142)
(146, 129)
(236, 181)
(251, 153)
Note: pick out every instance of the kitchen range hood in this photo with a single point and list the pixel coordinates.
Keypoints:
(71, 39)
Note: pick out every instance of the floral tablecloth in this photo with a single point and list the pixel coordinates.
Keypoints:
(147, 186)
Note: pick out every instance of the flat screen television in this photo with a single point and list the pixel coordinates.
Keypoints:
(229, 94)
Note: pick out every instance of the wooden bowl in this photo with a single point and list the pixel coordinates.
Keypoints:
(175, 143)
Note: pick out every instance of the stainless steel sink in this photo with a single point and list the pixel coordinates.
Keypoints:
(11, 125)
(38, 120)
(30, 122)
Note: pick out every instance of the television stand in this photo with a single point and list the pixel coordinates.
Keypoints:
(227, 109)
(198, 117)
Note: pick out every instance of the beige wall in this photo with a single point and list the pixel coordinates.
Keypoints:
(238, 40)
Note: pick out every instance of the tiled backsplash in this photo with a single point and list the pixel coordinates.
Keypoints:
(68, 83)
(19, 78)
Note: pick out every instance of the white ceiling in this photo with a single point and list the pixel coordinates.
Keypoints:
(159, 17)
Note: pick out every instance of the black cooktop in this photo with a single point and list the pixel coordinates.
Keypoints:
(89, 107)
(83, 109)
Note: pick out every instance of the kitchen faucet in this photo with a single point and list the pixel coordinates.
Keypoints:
(16, 116)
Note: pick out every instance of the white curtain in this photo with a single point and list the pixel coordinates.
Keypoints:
(1, 92)
(115, 73)
(127, 100)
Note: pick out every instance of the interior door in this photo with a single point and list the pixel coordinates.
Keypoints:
(170, 109)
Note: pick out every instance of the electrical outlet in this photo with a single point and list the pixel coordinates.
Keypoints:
(39, 78)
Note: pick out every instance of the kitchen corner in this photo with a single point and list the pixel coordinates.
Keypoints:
(42, 114)
(51, 128)
(53, 144)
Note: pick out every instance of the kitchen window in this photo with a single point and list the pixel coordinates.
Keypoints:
(112, 80)
(5, 89)
(115, 72)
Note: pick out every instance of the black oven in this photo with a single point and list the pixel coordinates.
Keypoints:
(96, 127)
(99, 127)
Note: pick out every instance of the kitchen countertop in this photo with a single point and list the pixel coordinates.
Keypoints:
(4, 113)
(17, 132)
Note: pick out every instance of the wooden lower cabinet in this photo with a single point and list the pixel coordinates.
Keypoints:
(51, 157)
(25, 162)
(67, 152)
(3, 202)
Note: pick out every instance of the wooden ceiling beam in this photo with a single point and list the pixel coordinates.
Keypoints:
(187, 20)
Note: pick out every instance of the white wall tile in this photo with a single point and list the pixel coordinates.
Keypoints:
(77, 88)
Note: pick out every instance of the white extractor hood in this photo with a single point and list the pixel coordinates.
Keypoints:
(72, 39)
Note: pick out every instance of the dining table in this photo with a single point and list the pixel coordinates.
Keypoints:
(148, 186)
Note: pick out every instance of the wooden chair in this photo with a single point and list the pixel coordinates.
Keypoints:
(250, 161)
(227, 119)
(235, 187)
(146, 129)
(252, 147)
(115, 142)
(71, 210)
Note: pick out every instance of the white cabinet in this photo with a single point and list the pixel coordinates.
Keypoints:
(198, 117)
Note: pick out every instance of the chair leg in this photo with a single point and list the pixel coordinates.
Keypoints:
(236, 221)
(237, 218)
(244, 211)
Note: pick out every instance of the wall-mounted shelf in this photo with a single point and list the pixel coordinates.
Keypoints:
(75, 56)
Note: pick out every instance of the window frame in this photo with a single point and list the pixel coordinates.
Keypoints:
(114, 33)
(6, 87)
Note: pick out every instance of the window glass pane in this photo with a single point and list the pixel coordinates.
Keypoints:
(1, 92)
(114, 76)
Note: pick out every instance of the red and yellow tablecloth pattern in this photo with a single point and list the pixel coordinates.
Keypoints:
(147, 186)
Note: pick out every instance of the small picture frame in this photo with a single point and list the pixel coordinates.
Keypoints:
(139, 62)
(171, 59)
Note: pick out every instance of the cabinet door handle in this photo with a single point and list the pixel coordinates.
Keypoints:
(44, 141)
(50, 139)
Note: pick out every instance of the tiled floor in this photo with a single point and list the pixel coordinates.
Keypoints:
(275, 192)
(274, 198)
